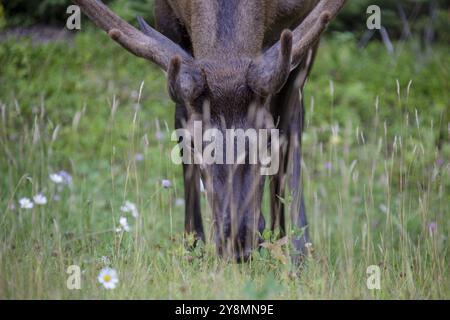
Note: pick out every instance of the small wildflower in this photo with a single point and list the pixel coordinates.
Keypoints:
(108, 278)
(138, 157)
(335, 139)
(67, 178)
(328, 166)
(61, 177)
(56, 178)
(166, 184)
(179, 202)
(432, 228)
(130, 207)
(40, 199)
(26, 203)
(159, 135)
(124, 224)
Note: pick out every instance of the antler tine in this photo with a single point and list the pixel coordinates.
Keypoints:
(157, 49)
(309, 31)
(270, 71)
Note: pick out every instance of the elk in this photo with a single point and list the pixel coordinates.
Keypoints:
(234, 64)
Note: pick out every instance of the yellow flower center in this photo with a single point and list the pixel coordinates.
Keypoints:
(335, 139)
(107, 278)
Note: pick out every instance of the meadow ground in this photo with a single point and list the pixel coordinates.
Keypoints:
(376, 178)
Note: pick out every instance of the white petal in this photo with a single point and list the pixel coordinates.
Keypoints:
(56, 178)
(40, 199)
(124, 209)
(109, 285)
(135, 213)
(123, 221)
(130, 205)
(26, 203)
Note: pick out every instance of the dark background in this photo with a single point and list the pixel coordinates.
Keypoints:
(427, 18)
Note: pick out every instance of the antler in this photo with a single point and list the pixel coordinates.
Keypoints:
(304, 37)
(152, 45)
(310, 30)
(269, 70)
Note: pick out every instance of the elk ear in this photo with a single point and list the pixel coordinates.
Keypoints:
(269, 72)
(185, 82)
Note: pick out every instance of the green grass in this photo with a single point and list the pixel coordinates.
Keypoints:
(372, 187)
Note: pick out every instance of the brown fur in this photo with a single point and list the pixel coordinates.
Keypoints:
(258, 23)
(226, 37)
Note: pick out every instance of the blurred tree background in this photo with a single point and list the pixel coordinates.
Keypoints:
(426, 18)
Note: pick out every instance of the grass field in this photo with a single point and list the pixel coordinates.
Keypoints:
(376, 175)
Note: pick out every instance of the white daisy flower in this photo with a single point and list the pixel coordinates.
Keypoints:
(166, 184)
(56, 178)
(26, 203)
(124, 224)
(108, 278)
(40, 199)
(130, 207)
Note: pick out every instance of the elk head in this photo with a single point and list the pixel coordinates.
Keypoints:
(225, 92)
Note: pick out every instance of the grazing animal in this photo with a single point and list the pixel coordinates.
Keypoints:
(234, 64)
